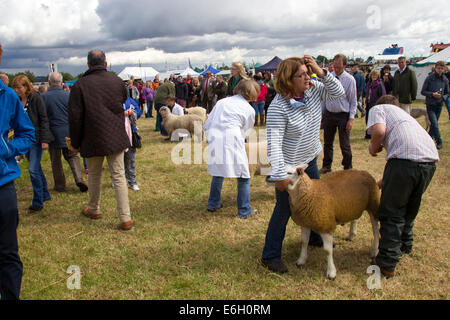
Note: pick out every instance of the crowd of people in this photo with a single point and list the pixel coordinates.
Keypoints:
(98, 119)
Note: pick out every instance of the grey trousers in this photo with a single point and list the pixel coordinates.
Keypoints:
(57, 167)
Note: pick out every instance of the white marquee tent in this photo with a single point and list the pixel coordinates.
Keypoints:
(144, 73)
(424, 67)
(189, 71)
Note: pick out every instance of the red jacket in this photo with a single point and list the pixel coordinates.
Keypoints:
(262, 93)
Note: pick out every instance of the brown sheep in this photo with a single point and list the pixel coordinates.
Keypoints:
(338, 198)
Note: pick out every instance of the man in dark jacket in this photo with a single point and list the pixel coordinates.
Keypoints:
(161, 95)
(436, 90)
(405, 85)
(181, 91)
(56, 101)
(13, 116)
(97, 129)
(360, 89)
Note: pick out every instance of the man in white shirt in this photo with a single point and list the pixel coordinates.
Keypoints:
(338, 116)
(411, 157)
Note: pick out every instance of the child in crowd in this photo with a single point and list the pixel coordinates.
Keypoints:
(132, 113)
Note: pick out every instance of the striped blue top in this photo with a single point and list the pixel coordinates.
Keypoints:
(293, 133)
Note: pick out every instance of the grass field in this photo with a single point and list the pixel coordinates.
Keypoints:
(177, 250)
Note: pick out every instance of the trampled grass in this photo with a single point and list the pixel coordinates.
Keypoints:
(179, 251)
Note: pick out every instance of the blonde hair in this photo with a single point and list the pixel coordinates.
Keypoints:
(23, 81)
(374, 71)
(241, 69)
(248, 89)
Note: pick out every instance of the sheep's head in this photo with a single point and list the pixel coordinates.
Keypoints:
(296, 174)
(293, 173)
(164, 111)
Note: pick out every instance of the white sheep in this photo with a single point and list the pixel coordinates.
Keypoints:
(188, 122)
(199, 111)
(338, 198)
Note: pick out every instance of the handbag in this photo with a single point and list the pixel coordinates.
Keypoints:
(136, 140)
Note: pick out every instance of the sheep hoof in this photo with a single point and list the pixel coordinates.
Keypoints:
(348, 239)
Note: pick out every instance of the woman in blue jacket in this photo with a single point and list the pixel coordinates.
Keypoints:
(12, 117)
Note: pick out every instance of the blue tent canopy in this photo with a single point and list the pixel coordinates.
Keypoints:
(210, 68)
(70, 83)
(272, 65)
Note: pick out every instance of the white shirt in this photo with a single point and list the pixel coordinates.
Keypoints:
(178, 110)
(347, 103)
(405, 137)
(227, 126)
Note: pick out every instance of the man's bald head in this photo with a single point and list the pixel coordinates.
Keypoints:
(96, 58)
(55, 79)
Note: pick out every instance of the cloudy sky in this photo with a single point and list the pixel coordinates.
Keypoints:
(168, 33)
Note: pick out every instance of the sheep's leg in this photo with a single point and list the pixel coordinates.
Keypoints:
(304, 254)
(376, 236)
(328, 247)
(352, 232)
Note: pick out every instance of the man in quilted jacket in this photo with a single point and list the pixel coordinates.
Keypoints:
(97, 131)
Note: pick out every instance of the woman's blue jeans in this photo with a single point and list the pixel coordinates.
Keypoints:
(38, 181)
(243, 196)
(259, 107)
(434, 112)
(280, 217)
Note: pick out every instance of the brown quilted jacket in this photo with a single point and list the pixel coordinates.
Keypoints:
(96, 117)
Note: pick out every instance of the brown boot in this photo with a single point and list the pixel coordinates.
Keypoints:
(261, 120)
(256, 121)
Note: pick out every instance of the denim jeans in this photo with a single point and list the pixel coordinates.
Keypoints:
(259, 107)
(149, 113)
(11, 267)
(38, 181)
(434, 112)
(280, 217)
(447, 104)
(159, 126)
(243, 196)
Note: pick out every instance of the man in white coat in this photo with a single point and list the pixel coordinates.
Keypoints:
(226, 128)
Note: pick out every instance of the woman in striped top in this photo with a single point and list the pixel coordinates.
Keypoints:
(293, 136)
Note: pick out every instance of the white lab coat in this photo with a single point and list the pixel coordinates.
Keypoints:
(227, 126)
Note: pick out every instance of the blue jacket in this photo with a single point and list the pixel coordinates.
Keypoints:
(13, 116)
(435, 83)
(56, 102)
(360, 83)
(127, 105)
